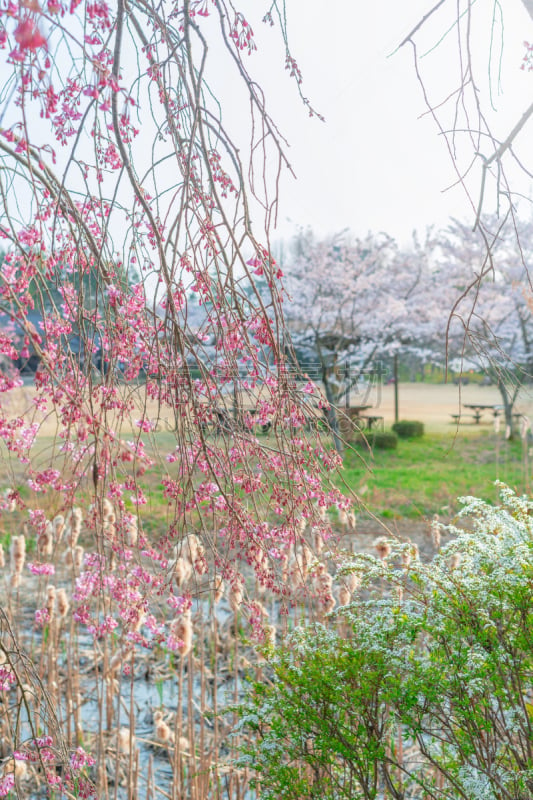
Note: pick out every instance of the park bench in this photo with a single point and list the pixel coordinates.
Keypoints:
(458, 418)
(478, 413)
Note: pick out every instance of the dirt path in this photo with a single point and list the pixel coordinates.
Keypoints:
(433, 404)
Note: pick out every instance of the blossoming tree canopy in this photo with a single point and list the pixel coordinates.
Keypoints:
(353, 302)
(460, 295)
(491, 323)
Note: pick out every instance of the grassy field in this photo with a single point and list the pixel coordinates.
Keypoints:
(426, 476)
(422, 477)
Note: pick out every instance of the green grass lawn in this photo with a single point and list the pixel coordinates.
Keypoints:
(426, 476)
(422, 477)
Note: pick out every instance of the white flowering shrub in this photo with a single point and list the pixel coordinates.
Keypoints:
(423, 686)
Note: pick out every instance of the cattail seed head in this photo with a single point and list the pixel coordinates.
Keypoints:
(182, 571)
(318, 541)
(284, 567)
(352, 581)
(455, 560)
(323, 581)
(119, 657)
(298, 572)
(200, 562)
(17, 767)
(58, 525)
(182, 629)
(107, 507)
(45, 540)
(137, 617)
(344, 596)
(260, 559)
(109, 527)
(10, 505)
(328, 603)
(193, 547)
(163, 733)
(72, 534)
(270, 635)
(131, 532)
(126, 740)
(435, 531)
(306, 554)
(62, 603)
(14, 580)
(383, 547)
(219, 589)
(73, 531)
(235, 595)
(18, 553)
(77, 557)
(50, 600)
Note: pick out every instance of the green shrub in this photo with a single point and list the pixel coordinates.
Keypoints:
(423, 689)
(382, 440)
(408, 429)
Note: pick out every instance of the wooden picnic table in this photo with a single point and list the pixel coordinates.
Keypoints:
(354, 411)
(479, 408)
(355, 415)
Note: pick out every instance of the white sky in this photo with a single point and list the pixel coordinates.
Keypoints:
(375, 164)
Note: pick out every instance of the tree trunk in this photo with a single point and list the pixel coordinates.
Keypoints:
(331, 414)
(508, 405)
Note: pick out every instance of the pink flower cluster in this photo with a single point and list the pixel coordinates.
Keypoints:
(7, 678)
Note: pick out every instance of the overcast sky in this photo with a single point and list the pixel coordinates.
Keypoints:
(378, 161)
(375, 164)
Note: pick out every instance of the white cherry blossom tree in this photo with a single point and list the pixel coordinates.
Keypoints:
(492, 321)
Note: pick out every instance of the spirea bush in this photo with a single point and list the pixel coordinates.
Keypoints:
(425, 686)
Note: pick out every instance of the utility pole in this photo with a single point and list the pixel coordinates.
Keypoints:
(396, 402)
